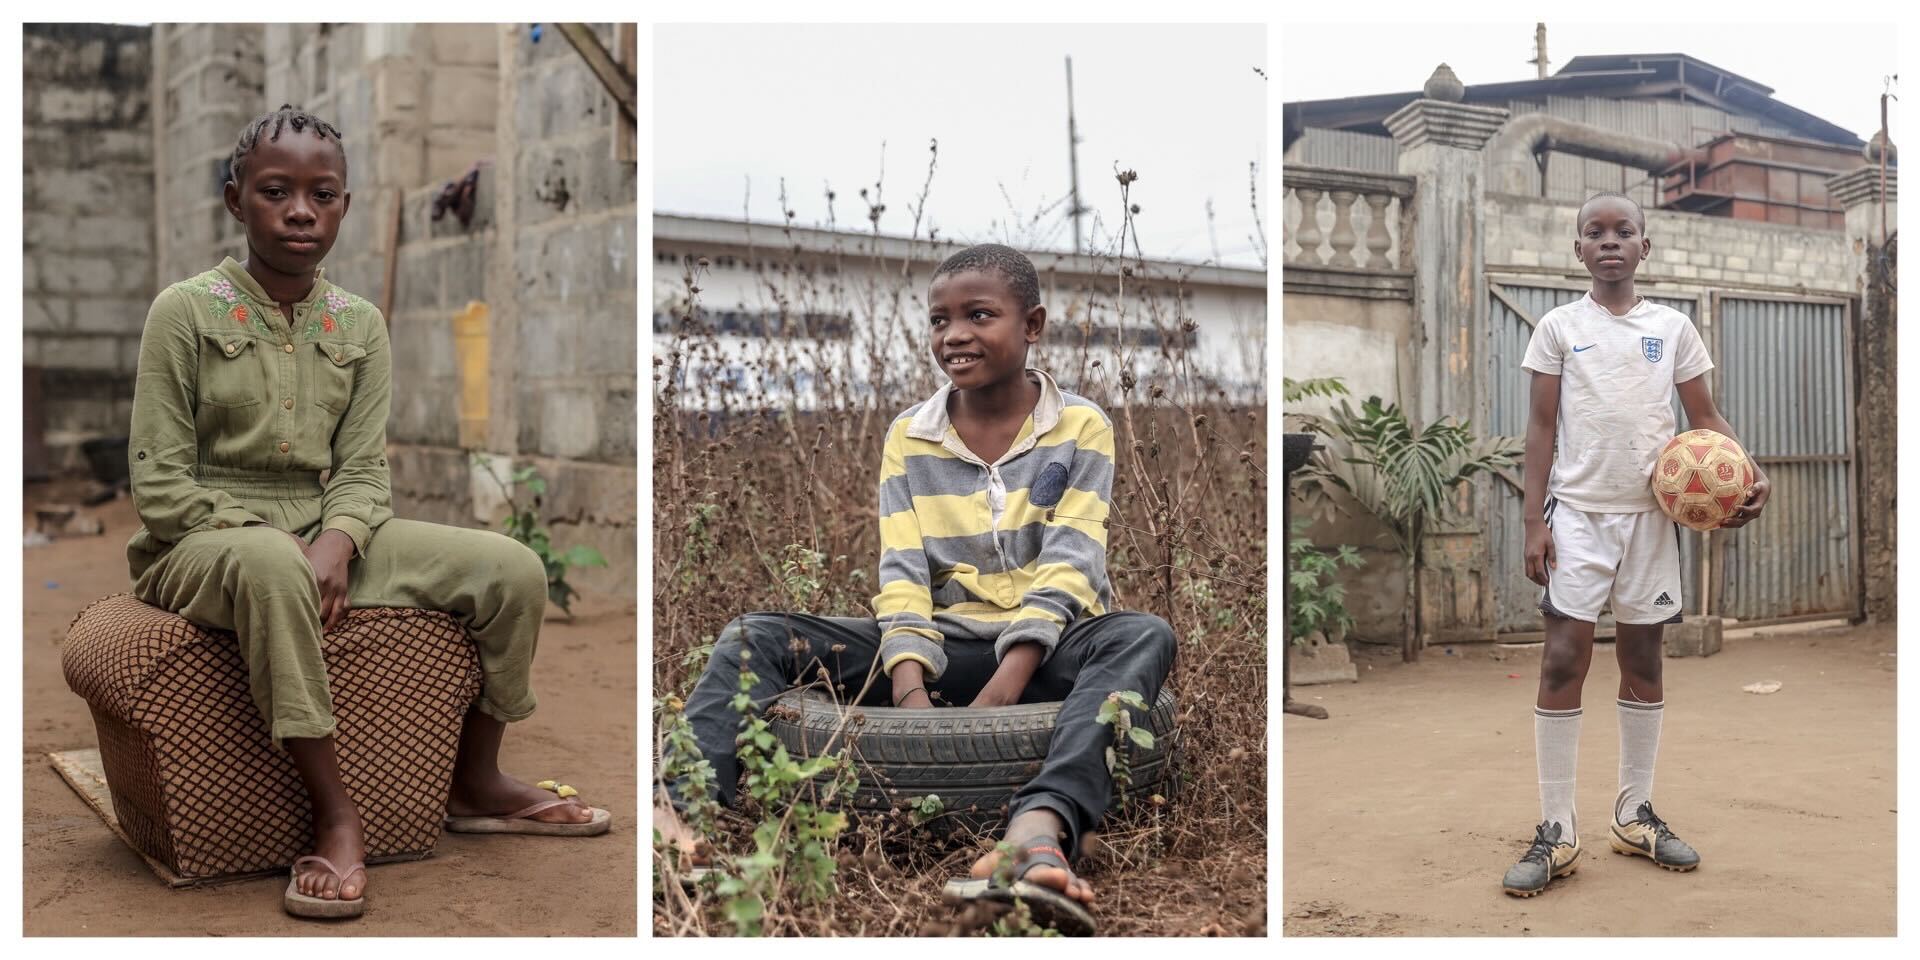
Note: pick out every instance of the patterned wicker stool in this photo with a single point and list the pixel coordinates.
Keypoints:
(197, 783)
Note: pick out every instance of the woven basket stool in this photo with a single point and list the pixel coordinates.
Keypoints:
(197, 782)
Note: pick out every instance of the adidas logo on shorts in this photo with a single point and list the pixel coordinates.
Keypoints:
(1663, 600)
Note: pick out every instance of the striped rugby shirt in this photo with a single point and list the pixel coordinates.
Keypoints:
(1010, 551)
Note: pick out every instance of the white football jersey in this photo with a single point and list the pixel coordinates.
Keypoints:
(1617, 375)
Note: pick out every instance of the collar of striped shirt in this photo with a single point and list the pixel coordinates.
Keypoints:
(931, 422)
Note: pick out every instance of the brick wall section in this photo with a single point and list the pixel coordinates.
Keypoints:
(573, 254)
(87, 265)
(208, 82)
(1691, 253)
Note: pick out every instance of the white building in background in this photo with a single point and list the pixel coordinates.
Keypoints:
(847, 300)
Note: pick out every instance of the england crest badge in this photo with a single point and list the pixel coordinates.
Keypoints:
(1651, 346)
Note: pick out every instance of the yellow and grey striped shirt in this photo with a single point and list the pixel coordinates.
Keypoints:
(1010, 551)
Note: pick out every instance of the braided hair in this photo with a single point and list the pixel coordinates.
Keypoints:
(287, 116)
(1010, 264)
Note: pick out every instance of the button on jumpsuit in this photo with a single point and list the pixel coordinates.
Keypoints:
(235, 414)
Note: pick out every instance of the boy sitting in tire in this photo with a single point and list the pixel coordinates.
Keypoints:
(993, 501)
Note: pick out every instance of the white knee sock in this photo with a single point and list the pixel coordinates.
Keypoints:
(1639, 744)
(1556, 747)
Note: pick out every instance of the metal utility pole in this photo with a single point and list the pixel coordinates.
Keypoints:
(1073, 161)
(1539, 60)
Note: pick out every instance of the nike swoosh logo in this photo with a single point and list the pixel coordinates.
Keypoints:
(1589, 346)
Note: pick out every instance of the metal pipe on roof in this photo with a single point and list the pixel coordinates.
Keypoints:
(1520, 145)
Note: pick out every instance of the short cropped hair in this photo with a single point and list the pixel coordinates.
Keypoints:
(1012, 265)
(1639, 215)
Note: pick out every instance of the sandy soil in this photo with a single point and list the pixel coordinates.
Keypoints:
(79, 879)
(1404, 808)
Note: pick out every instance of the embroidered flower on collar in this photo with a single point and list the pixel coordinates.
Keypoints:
(239, 313)
(224, 290)
(326, 323)
(336, 301)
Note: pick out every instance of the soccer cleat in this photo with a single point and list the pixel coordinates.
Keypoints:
(1544, 860)
(1648, 836)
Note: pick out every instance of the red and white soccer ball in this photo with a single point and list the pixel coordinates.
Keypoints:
(1700, 478)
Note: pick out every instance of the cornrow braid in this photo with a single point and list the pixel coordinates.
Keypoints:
(1009, 263)
(287, 116)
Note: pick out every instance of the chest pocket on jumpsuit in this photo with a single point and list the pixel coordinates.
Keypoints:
(333, 372)
(230, 374)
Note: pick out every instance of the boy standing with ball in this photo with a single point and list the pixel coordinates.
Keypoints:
(1605, 369)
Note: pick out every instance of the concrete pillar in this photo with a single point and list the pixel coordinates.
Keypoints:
(1876, 350)
(1440, 145)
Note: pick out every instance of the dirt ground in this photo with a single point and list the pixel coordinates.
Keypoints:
(79, 879)
(1404, 808)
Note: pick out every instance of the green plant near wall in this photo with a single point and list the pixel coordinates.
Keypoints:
(523, 524)
(1403, 474)
(1318, 600)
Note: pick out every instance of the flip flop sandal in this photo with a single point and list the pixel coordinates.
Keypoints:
(301, 905)
(1049, 907)
(520, 821)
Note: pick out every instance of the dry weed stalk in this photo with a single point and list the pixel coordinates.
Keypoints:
(748, 477)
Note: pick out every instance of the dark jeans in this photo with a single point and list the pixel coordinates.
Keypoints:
(1096, 656)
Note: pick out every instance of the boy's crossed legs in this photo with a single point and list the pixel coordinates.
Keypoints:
(1095, 656)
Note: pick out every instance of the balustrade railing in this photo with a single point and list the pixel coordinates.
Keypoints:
(1348, 220)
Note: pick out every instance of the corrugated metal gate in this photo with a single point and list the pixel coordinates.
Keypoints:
(1516, 310)
(1784, 379)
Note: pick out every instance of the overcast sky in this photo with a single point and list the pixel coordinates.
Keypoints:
(1832, 71)
(1180, 105)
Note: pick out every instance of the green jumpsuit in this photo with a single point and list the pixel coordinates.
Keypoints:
(236, 413)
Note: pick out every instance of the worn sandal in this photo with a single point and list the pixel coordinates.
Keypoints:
(520, 821)
(1049, 907)
(301, 905)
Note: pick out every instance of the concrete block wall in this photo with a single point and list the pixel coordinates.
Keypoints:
(573, 257)
(208, 82)
(1690, 252)
(88, 230)
(570, 248)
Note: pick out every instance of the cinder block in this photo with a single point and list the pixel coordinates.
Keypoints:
(1319, 660)
(48, 314)
(423, 345)
(463, 97)
(569, 422)
(470, 44)
(73, 352)
(400, 161)
(465, 272)
(417, 278)
(1695, 636)
(109, 315)
(548, 344)
(1738, 263)
(425, 412)
(398, 87)
(450, 153)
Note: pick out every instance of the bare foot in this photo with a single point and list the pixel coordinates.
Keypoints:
(496, 795)
(667, 821)
(1027, 826)
(336, 837)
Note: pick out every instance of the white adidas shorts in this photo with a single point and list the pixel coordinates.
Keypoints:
(1626, 562)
